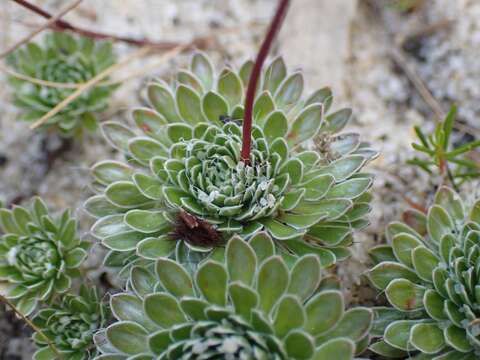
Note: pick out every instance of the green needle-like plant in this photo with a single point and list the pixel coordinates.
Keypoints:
(184, 185)
(248, 306)
(62, 59)
(70, 326)
(430, 273)
(439, 154)
(39, 254)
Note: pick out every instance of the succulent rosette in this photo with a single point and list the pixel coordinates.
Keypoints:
(70, 326)
(430, 275)
(248, 306)
(62, 59)
(39, 254)
(184, 185)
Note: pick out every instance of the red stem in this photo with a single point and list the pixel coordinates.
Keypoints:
(275, 26)
(62, 25)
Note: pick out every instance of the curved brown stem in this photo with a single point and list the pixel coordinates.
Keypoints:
(62, 25)
(275, 26)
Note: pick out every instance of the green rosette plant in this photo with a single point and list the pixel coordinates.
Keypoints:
(430, 273)
(70, 326)
(39, 255)
(248, 306)
(62, 59)
(184, 185)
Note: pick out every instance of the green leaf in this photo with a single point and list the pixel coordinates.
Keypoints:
(125, 194)
(211, 279)
(162, 100)
(142, 281)
(245, 72)
(405, 295)
(117, 135)
(74, 258)
(381, 253)
(424, 261)
(179, 132)
(294, 168)
(336, 121)
(274, 75)
(214, 106)
(280, 231)
(244, 299)
(403, 244)
(355, 325)
(289, 91)
(306, 124)
(272, 282)
(230, 87)
(349, 189)
(263, 106)
(123, 241)
(98, 206)
(322, 96)
(108, 172)
(148, 120)
(456, 338)
(159, 341)
(146, 221)
(190, 79)
(8, 222)
(241, 261)
(448, 125)
(174, 278)
(324, 311)
(289, 315)
(383, 349)
(276, 126)
(163, 309)
(338, 349)
(439, 223)
(299, 345)
(305, 276)
(127, 307)
(45, 353)
(109, 225)
(127, 337)
(202, 67)
(143, 149)
(318, 187)
(189, 105)
(397, 334)
(434, 304)
(194, 308)
(428, 338)
(149, 186)
(262, 245)
(451, 202)
(153, 248)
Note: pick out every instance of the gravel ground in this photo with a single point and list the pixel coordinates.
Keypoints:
(349, 45)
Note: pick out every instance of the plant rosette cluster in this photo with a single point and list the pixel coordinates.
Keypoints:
(248, 306)
(65, 60)
(70, 326)
(184, 188)
(430, 274)
(39, 254)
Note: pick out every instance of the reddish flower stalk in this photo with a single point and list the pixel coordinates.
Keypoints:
(62, 25)
(275, 26)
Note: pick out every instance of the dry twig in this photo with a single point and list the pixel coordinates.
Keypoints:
(32, 325)
(62, 25)
(417, 82)
(95, 80)
(49, 23)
